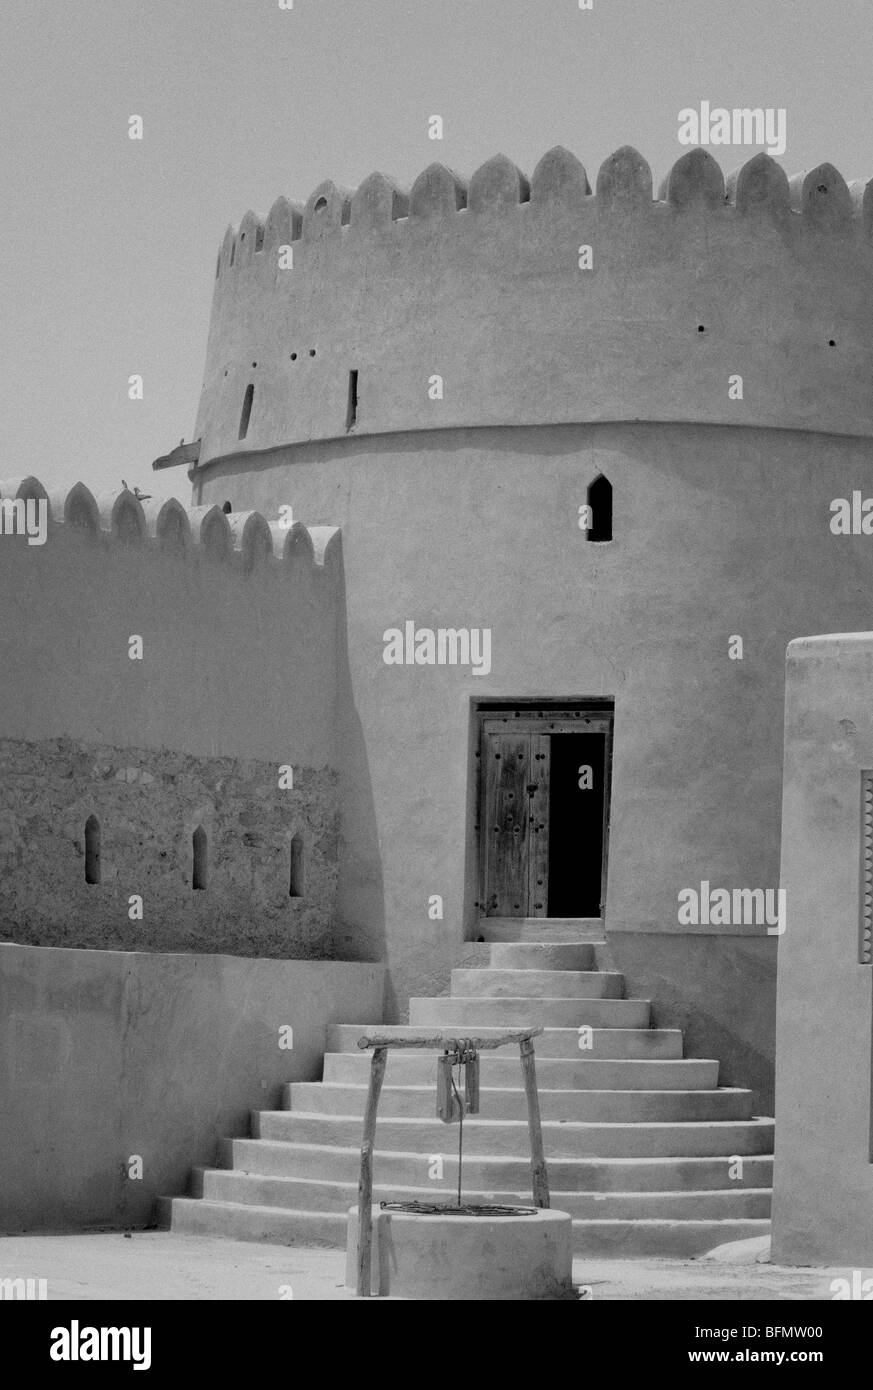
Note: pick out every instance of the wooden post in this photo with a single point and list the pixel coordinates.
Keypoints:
(365, 1182)
(538, 1174)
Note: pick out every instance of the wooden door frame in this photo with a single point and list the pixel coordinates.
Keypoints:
(540, 716)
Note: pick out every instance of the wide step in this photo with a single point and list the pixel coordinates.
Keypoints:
(595, 1106)
(497, 1070)
(567, 1140)
(521, 1012)
(311, 1194)
(276, 1158)
(283, 1226)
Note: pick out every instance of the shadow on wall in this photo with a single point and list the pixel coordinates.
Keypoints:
(360, 895)
(721, 991)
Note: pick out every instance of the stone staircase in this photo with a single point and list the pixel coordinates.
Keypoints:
(640, 1141)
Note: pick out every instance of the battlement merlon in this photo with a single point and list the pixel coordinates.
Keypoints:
(480, 284)
(246, 541)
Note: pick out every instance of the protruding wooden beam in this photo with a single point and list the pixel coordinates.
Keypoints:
(365, 1181)
(538, 1173)
(183, 453)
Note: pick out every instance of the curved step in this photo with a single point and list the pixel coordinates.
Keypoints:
(285, 1226)
(501, 1070)
(470, 1012)
(537, 984)
(587, 1107)
(483, 1136)
(325, 1194)
(277, 1158)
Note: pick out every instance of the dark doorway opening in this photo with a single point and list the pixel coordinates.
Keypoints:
(576, 788)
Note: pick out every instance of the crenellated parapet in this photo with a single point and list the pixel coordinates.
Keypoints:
(484, 285)
(246, 541)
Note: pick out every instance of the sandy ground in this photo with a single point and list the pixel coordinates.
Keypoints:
(161, 1265)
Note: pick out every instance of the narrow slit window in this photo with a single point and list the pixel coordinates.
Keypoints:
(198, 876)
(259, 238)
(599, 499)
(296, 878)
(246, 410)
(352, 407)
(92, 850)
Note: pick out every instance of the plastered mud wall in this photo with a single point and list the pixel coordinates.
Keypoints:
(166, 670)
(823, 1177)
(537, 301)
(107, 1056)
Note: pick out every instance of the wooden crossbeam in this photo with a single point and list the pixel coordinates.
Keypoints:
(487, 1038)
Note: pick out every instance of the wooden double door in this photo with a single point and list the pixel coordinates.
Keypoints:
(543, 813)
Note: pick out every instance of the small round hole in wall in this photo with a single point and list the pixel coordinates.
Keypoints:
(701, 328)
(832, 342)
(319, 204)
(294, 357)
(312, 352)
(226, 508)
(254, 364)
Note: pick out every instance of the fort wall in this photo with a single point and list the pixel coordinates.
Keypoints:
(107, 1057)
(238, 621)
(479, 283)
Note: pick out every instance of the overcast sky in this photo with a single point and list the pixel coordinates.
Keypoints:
(110, 244)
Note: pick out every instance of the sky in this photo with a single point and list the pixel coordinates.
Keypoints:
(110, 243)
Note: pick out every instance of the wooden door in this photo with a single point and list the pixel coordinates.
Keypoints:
(538, 826)
(543, 810)
(515, 836)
